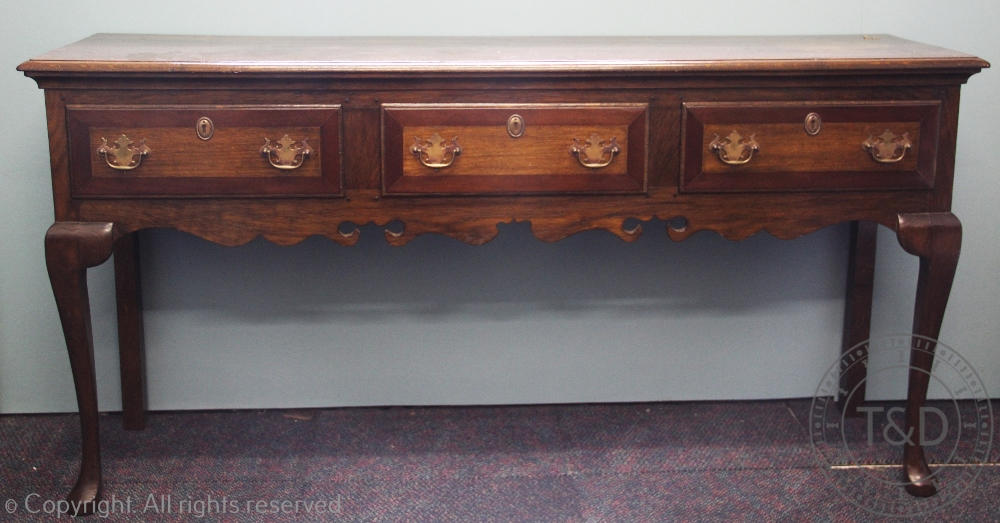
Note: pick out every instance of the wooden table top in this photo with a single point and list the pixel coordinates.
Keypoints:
(135, 53)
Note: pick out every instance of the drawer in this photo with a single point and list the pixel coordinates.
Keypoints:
(809, 146)
(513, 148)
(194, 151)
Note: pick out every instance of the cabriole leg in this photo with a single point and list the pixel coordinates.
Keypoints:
(936, 238)
(70, 248)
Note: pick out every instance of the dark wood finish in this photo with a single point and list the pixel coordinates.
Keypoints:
(371, 88)
(937, 239)
(131, 342)
(230, 163)
(71, 248)
(493, 162)
(858, 312)
(789, 158)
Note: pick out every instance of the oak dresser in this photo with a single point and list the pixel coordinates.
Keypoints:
(232, 138)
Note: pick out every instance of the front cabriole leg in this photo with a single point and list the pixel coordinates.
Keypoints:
(70, 248)
(936, 238)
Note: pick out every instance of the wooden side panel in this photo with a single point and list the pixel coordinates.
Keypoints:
(789, 158)
(180, 163)
(492, 161)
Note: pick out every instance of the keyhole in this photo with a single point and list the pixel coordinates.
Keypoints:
(205, 128)
(813, 124)
(515, 126)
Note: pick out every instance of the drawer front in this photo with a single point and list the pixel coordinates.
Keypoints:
(809, 146)
(513, 149)
(192, 151)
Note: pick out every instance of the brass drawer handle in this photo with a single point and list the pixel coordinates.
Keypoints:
(734, 149)
(436, 152)
(887, 147)
(595, 153)
(123, 154)
(286, 154)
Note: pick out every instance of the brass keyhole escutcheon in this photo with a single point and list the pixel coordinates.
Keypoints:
(515, 126)
(813, 124)
(205, 128)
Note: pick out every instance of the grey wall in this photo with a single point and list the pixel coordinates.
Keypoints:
(517, 320)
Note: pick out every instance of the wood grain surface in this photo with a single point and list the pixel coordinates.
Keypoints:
(227, 54)
(492, 161)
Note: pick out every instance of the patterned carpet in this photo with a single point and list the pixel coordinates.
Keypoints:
(705, 461)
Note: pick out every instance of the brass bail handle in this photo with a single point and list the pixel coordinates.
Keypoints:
(734, 149)
(286, 153)
(887, 147)
(594, 152)
(123, 154)
(436, 152)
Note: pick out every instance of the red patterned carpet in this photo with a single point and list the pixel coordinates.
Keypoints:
(704, 461)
